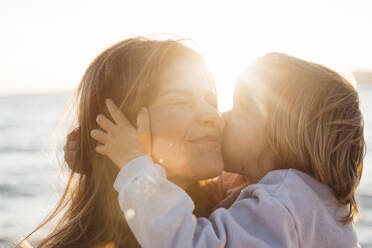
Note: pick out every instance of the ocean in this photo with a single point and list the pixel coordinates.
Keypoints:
(31, 181)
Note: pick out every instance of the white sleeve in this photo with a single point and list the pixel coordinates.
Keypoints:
(160, 214)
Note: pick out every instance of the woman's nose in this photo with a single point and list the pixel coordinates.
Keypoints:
(212, 120)
(210, 117)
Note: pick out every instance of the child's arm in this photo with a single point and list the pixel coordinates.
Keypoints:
(160, 213)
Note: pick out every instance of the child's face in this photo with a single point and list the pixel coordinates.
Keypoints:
(244, 136)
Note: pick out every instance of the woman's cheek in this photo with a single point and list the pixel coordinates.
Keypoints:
(169, 122)
(169, 128)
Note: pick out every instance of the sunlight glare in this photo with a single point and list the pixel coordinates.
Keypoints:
(129, 214)
(225, 72)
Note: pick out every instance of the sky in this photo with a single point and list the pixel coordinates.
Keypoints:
(46, 45)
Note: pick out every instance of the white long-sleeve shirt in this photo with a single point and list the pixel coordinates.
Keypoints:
(287, 208)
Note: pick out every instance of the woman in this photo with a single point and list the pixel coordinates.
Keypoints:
(173, 82)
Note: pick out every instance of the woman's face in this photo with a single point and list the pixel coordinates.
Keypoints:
(185, 123)
(244, 146)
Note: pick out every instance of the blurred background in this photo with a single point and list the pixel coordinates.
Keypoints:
(46, 45)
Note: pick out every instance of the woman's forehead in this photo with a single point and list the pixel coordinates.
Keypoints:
(187, 76)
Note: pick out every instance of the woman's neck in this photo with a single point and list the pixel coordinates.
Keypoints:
(181, 182)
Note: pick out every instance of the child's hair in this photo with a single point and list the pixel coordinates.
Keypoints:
(314, 123)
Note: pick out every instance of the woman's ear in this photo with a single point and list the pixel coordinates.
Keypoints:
(144, 130)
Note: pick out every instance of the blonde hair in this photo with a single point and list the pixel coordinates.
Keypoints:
(128, 73)
(314, 123)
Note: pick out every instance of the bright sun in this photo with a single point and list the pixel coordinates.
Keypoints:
(226, 67)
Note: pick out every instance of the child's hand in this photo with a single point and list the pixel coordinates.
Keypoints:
(71, 148)
(120, 140)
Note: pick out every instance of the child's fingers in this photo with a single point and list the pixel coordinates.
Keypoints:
(70, 151)
(73, 135)
(105, 123)
(144, 130)
(99, 135)
(116, 113)
(70, 156)
(101, 149)
(72, 145)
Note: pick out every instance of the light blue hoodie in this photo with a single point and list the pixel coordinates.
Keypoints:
(287, 208)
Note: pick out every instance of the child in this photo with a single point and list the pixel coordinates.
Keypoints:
(296, 131)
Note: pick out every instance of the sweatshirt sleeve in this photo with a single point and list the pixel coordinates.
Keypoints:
(160, 214)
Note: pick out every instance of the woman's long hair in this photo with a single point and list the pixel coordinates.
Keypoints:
(314, 123)
(88, 211)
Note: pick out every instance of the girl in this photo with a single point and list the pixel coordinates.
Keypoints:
(295, 130)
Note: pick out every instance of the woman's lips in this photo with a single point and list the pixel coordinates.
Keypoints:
(207, 143)
(208, 138)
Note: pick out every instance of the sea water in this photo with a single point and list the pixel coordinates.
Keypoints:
(30, 178)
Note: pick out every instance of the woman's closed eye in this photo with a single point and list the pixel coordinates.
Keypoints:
(180, 101)
(212, 100)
